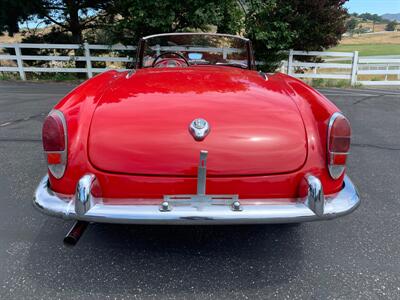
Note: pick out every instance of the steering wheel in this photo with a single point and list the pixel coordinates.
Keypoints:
(169, 53)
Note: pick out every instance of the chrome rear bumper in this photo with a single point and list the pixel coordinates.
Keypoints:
(84, 207)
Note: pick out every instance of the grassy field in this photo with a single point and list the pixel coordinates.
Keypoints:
(387, 43)
(385, 37)
(369, 49)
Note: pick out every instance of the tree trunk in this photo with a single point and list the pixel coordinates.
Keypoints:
(76, 30)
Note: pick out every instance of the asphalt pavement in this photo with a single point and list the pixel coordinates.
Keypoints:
(354, 257)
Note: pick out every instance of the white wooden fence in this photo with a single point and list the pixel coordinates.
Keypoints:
(88, 58)
(337, 65)
(346, 66)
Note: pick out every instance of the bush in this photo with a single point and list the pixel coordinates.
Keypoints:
(330, 83)
(9, 76)
(391, 26)
(53, 76)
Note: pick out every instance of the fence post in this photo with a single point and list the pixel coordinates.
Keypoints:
(290, 62)
(158, 49)
(88, 61)
(224, 53)
(19, 62)
(387, 69)
(354, 69)
(398, 74)
(283, 66)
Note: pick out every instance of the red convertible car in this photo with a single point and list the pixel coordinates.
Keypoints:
(195, 135)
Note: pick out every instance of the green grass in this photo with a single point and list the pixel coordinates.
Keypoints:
(369, 49)
(52, 76)
(41, 76)
(9, 76)
(321, 83)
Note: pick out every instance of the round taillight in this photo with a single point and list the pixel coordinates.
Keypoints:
(53, 134)
(339, 138)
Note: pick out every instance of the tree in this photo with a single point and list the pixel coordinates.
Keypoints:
(232, 17)
(371, 17)
(269, 30)
(351, 25)
(391, 26)
(276, 25)
(72, 16)
(140, 18)
(12, 12)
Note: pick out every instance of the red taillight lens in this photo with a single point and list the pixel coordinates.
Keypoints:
(54, 158)
(339, 137)
(53, 134)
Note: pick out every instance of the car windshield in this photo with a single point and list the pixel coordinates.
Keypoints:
(193, 49)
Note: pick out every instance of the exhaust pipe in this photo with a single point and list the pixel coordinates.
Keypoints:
(77, 230)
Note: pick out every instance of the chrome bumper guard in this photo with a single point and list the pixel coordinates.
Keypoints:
(198, 209)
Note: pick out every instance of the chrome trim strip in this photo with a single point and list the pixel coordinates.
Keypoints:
(194, 33)
(333, 118)
(336, 205)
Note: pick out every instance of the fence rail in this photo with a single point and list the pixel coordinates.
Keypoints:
(86, 56)
(345, 66)
(332, 65)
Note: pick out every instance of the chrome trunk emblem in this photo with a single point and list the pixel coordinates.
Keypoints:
(199, 129)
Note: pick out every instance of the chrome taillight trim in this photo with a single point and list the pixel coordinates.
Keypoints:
(58, 170)
(335, 171)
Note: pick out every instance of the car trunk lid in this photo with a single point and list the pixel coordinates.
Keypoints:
(141, 124)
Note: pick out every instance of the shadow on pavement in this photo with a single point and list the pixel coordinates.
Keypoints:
(209, 259)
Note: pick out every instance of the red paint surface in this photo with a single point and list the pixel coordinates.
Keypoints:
(137, 121)
(143, 128)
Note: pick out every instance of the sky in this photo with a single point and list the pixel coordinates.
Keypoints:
(379, 7)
